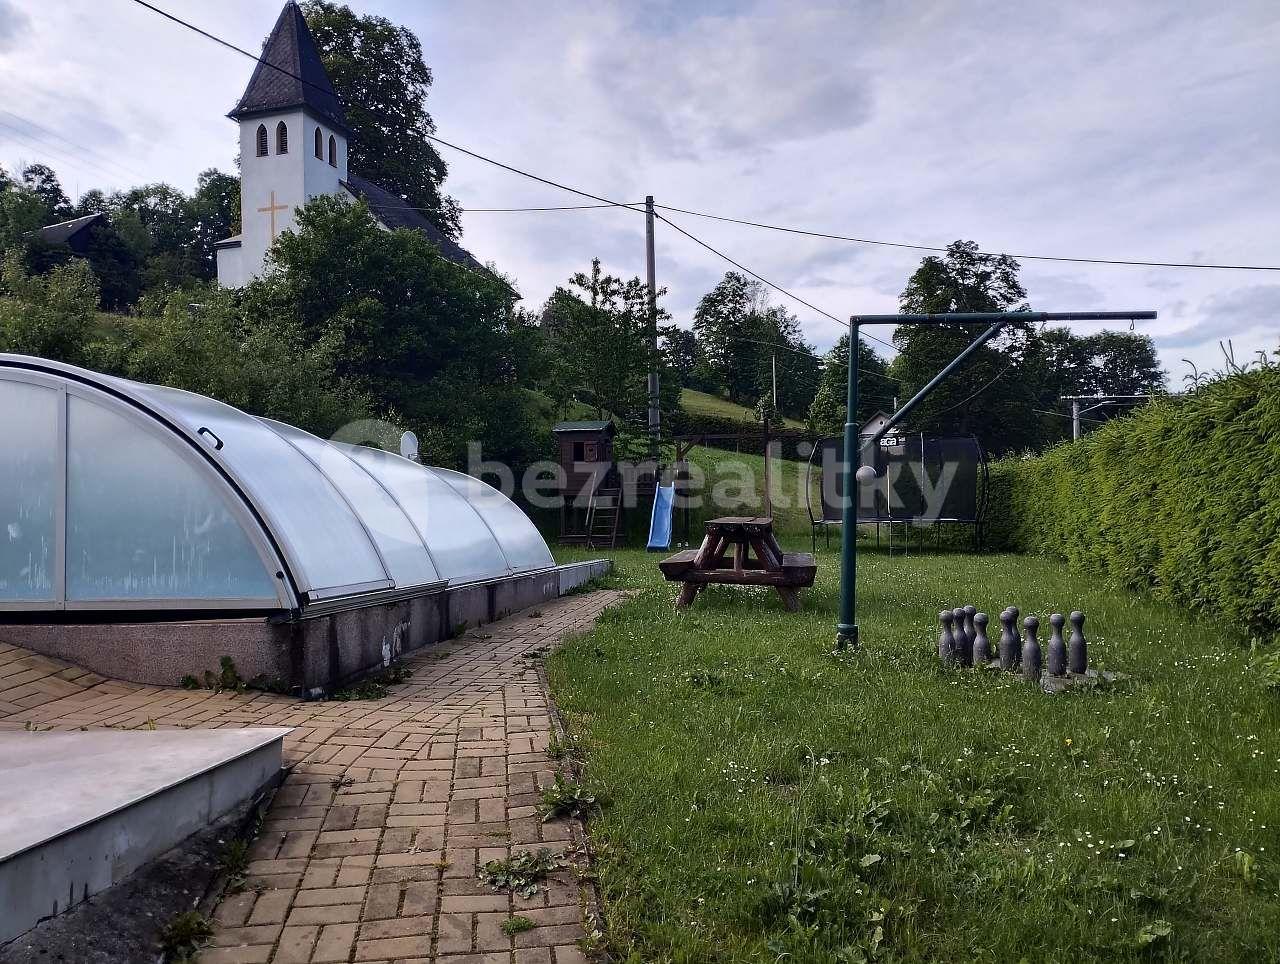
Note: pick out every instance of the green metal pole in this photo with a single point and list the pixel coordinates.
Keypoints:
(847, 627)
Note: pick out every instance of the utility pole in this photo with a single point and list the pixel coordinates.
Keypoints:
(1099, 401)
(655, 415)
(768, 468)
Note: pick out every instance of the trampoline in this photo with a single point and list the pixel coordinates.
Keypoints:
(921, 481)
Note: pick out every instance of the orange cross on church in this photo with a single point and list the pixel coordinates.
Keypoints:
(271, 209)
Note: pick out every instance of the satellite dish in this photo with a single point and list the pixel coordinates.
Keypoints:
(409, 446)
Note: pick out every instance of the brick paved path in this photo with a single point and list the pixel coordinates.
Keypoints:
(370, 850)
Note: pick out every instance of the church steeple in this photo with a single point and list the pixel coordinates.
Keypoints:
(291, 75)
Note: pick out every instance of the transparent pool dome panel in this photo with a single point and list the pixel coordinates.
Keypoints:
(323, 537)
(462, 545)
(400, 544)
(117, 495)
(521, 542)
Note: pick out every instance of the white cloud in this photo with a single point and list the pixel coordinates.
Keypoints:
(1123, 130)
(13, 24)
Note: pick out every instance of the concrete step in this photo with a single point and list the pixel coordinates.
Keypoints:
(80, 811)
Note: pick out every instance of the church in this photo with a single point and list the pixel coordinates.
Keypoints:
(293, 148)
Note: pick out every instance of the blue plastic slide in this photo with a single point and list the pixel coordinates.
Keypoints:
(664, 499)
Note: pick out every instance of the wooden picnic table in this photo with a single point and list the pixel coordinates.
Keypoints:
(757, 560)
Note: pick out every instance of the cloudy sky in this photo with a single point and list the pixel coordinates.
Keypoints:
(1133, 130)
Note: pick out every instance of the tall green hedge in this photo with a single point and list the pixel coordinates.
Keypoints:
(1180, 499)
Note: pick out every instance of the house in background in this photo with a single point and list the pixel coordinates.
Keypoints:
(874, 424)
(76, 234)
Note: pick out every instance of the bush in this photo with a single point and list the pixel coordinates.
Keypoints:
(50, 315)
(1181, 499)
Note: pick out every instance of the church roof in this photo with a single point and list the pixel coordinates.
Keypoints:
(395, 212)
(290, 74)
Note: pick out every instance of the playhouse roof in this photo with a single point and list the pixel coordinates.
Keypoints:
(605, 425)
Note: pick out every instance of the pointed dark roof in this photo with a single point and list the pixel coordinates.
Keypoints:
(291, 74)
(73, 233)
(395, 212)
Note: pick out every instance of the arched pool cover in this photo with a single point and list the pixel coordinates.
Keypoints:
(120, 495)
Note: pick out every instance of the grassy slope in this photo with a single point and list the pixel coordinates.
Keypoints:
(702, 403)
(722, 471)
(750, 774)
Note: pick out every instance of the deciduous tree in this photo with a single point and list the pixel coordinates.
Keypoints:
(876, 389)
(379, 73)
(741, 335)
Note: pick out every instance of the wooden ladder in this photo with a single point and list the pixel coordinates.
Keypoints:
(603, 515)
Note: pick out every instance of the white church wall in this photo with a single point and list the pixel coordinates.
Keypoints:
(319, 177)
(231, 273)
(274, 185)
(271, 187)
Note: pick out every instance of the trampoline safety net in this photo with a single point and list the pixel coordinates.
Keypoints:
(918, 479)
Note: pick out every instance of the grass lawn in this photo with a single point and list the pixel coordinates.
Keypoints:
(766, 800)
(705, 404)
(722, 470)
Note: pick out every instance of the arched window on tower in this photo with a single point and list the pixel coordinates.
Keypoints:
(282, 138)
(319, 144)
(333, 151)
(262, 140)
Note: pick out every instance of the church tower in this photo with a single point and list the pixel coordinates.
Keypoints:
(293, 145)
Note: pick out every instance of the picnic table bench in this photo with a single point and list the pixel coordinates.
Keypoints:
(757, 560)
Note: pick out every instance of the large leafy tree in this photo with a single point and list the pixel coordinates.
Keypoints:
(687, 360)
(726, 325)
(876, 388)
(1121, 363)
(741, 336)
(439, 344)
(214, 214)
(116, 265)
(988, 397)
(1008, 393)
(43, 182)
(265, 363)
(171, 235)
(1062, 363)
(22, 212)
(379, 73)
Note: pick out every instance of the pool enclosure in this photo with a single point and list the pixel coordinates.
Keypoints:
(125, 501)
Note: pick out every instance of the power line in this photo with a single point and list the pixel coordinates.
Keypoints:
(515, 170)
(999, 375)
(563, 207)
(702, 214)
(808, 354)
(608, 202)
(766, 281)
(927, 247)
(1045, 411)
(112, 166)
(60, 155)
(965, 401)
